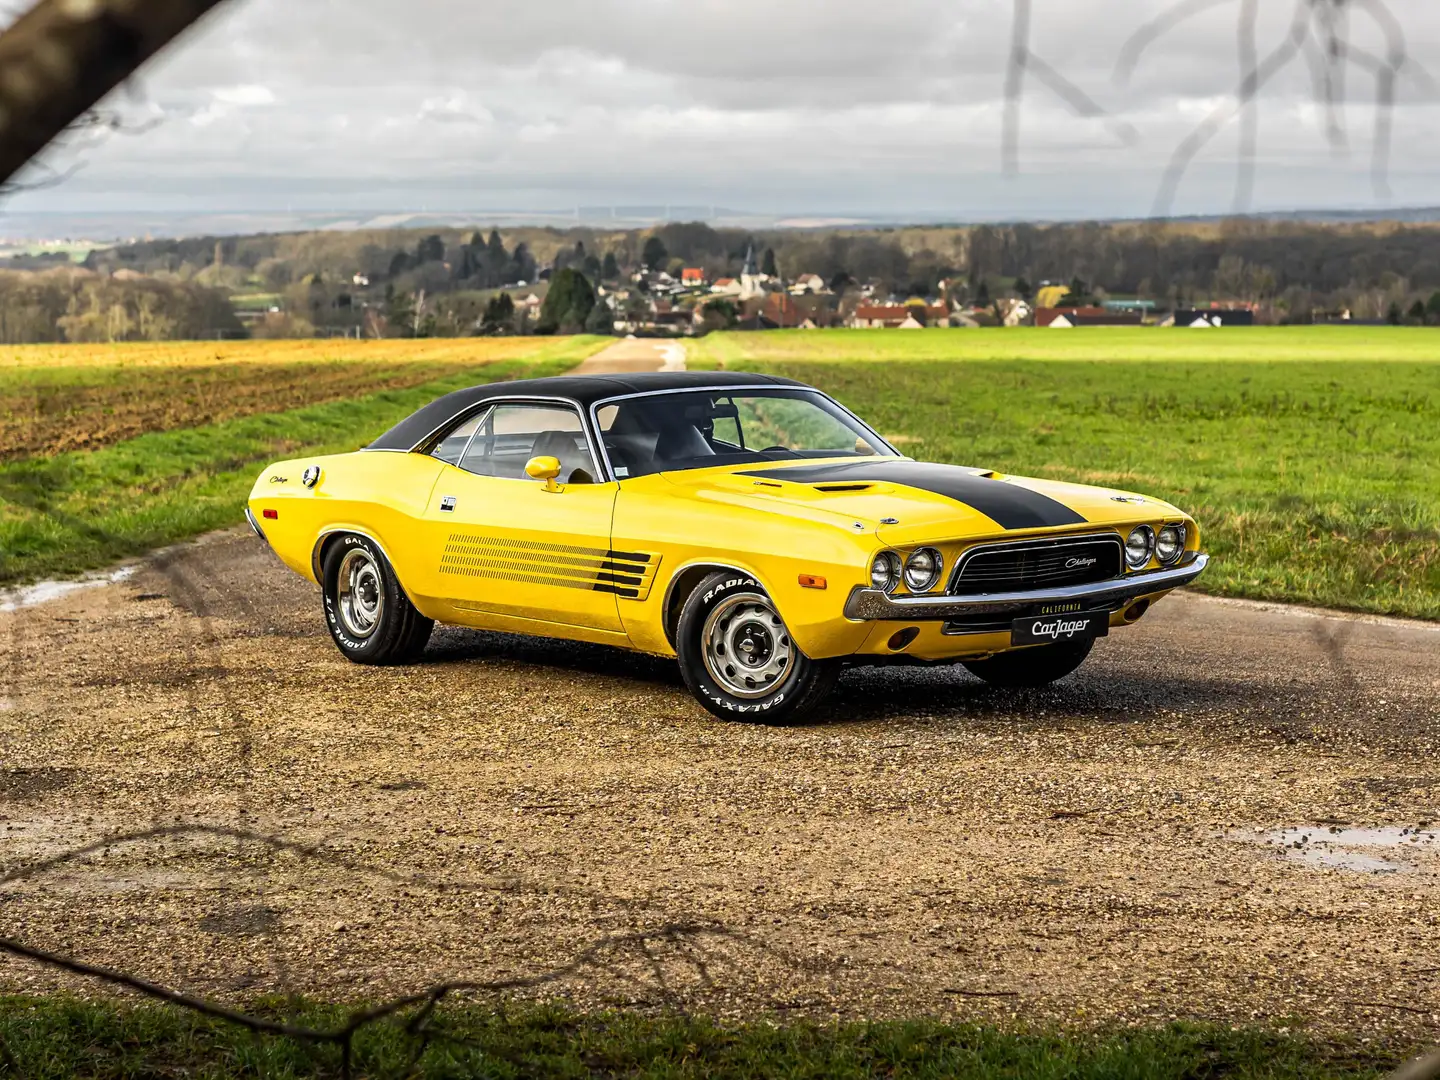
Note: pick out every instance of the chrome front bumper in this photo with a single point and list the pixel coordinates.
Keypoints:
(872, 605)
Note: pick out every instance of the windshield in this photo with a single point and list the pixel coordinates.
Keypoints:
(699, 430)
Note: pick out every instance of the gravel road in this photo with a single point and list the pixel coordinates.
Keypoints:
(1108, 849)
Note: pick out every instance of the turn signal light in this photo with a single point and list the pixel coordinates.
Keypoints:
(270, 515)
(810, 581)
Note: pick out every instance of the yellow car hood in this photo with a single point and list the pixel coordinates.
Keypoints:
(907, 501)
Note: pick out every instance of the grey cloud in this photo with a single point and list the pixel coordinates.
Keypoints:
(874, 108)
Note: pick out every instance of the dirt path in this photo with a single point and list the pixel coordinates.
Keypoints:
(636, 354)
(926, 845)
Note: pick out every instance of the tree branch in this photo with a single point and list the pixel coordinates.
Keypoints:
(62, 56)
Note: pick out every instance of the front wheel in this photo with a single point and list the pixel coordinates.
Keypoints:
(368, 613)
(737, 656)
(1039, 666)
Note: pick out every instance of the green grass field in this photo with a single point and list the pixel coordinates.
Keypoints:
(56, 1039)
(1307, 343)
(1310, 456)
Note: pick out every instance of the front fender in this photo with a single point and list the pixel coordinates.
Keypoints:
(776, 551)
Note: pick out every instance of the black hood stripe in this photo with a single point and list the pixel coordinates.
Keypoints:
(1011, 506)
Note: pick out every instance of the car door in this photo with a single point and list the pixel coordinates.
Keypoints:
(507, 545)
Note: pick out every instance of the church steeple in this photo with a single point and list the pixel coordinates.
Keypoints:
(750, 282)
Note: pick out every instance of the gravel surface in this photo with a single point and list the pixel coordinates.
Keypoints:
(1106, 850)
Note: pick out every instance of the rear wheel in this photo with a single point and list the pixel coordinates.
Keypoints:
(370, 618)
(737, 656)
(1039, 666)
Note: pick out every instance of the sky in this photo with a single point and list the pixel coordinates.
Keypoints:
(792, 108)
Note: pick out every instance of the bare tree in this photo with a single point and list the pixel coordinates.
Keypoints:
(63, 56)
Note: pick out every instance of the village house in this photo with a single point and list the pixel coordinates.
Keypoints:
(1065, 318)
(880, 316)
(1213, 317)
(899, 316)
(692, 277)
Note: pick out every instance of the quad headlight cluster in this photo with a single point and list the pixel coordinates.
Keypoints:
(1144, 543)
(920, 572)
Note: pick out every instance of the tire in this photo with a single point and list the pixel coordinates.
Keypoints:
(1039, 666)
(369, 616)
(738, 659)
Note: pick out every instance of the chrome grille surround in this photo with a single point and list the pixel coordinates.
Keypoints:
(1025, 565)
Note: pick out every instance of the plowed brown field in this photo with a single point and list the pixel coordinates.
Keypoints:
(59, 398)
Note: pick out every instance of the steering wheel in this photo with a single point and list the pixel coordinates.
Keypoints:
(780, 450)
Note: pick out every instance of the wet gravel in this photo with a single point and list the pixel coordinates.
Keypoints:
(1110, 849)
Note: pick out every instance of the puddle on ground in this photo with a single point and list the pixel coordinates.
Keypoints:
(1385, 850)
(46, 591)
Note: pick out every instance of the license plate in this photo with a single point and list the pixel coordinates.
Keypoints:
(1050, 629)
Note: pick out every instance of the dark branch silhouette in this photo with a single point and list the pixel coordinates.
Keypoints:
(1023, 61)
(1155, 29)
(1319, 34)
(62, 57)
(1249, 49)
(425, 1001)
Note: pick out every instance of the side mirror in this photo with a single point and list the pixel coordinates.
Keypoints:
(544, 468)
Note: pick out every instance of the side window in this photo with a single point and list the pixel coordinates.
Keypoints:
(453, 445)
(513, 434)
(725, 425)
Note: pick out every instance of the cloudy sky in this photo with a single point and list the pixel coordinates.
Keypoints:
(802, 107)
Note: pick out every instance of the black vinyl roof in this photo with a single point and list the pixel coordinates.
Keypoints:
(584, 390)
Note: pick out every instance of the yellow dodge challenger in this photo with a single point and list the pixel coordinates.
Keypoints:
(750, 526)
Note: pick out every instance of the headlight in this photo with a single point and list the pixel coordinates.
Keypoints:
(1170, 544)
(922, 570)
(1140, 547)
(885, 571)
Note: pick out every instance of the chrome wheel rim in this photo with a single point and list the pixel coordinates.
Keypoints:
(360, 592)
(748, 651)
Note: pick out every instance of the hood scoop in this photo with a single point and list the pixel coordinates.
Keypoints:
(827, 488)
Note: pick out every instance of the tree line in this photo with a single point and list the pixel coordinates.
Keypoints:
(445, 281)
(82, 306)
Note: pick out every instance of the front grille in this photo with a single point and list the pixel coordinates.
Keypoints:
(1044, 564)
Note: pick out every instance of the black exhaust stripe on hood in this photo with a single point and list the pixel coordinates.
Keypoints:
(1011, 506)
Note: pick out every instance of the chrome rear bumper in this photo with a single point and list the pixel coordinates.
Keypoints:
(255, 525)
(872, 605)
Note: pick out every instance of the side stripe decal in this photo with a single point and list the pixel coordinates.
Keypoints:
(626, 574)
